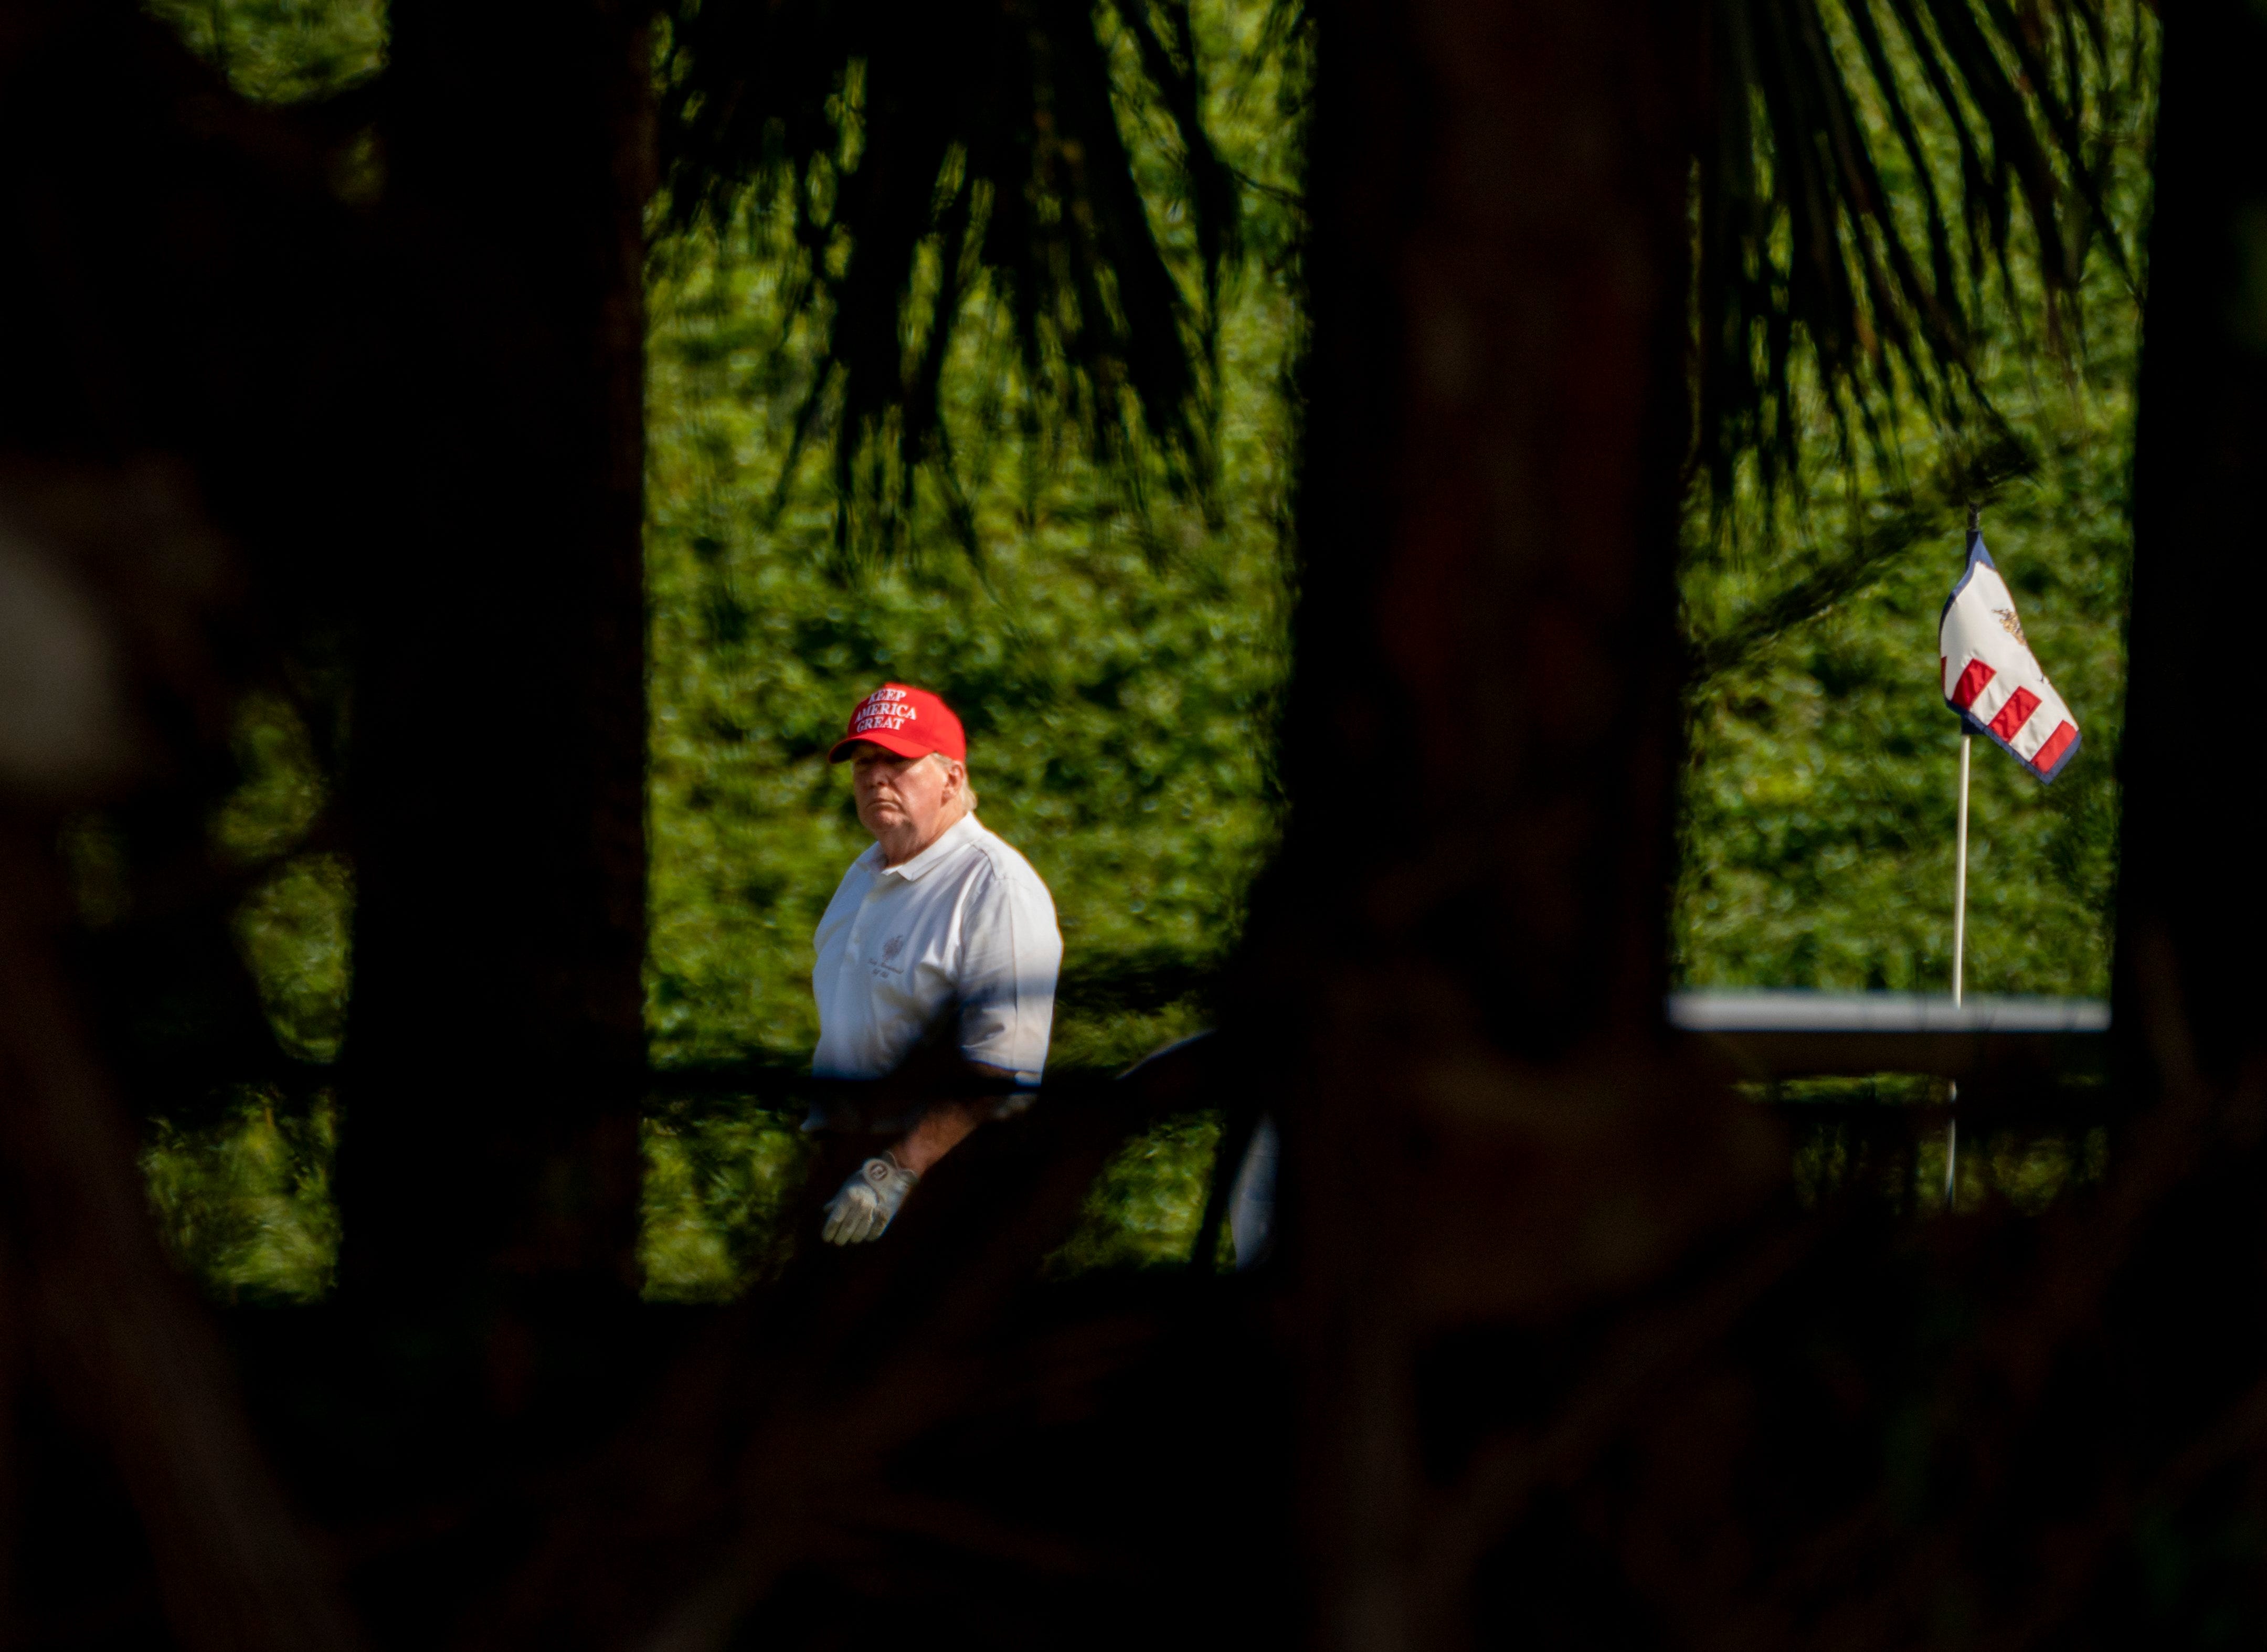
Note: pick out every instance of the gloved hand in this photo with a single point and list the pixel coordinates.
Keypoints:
(867, 1201)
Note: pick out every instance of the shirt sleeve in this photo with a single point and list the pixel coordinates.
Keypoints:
(1011, 953)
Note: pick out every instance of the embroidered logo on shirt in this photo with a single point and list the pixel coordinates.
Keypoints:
(891, 947)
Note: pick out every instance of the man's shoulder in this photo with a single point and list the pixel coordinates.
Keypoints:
(1002, 859)
(862, 867)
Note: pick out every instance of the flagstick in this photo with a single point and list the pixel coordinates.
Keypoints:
(1960, 881)
(1959, 964)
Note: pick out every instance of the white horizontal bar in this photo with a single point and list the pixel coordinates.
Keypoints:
(1790, 1011)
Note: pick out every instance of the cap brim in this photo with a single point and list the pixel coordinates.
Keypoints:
(896, 745)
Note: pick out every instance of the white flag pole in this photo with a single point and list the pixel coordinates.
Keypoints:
(1959, 938)
(1959, 968)
(1960, 880)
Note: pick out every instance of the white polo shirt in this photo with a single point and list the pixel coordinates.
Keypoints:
(966, 921)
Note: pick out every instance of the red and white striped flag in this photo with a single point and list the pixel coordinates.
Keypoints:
(1990, 676)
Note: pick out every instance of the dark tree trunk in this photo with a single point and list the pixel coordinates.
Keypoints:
(2192, 968)
(496, 1039)
(1486, 631)
(90, 1305)
(1465, 941)
(435, 407)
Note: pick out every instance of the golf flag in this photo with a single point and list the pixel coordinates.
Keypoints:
(1990, 676)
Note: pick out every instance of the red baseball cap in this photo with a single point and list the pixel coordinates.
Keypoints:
(910, 721)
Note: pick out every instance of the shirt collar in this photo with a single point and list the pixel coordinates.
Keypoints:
(923, 864)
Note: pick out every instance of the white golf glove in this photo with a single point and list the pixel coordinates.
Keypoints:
(867, 1201)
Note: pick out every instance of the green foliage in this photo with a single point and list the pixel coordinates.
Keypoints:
(246, 1206)
(294, 926)
(283, 51)
(1062, 167)
(1118, 647)
(1144, 1209)
(1820, 800)
(1819, 797)
(245, 1203)
(1871, 175)
(293, 931)
(716, 1185)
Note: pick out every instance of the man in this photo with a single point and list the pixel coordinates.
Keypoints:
(939, 928)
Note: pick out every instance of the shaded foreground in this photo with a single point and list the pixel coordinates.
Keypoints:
(1553, 1351)
(1827, 1421)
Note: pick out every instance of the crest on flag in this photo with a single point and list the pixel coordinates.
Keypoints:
(1990, 678)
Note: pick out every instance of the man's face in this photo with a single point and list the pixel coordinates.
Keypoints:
(896, 793)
